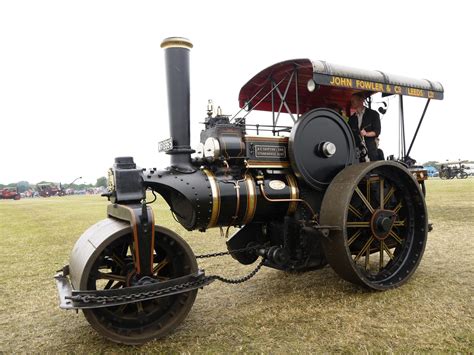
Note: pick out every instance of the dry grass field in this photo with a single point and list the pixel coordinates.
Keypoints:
(275, 312)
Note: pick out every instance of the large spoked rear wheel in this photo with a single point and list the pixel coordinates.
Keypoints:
(139, 322)
(382, 219)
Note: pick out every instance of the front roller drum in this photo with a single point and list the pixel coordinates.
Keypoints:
(382, 224)
(102, 259)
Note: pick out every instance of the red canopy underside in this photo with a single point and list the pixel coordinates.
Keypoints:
(298, 98)
(325, 96)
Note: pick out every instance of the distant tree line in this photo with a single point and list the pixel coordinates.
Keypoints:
(23, 186)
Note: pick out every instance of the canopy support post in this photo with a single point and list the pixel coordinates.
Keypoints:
(283, 99)
(258, 103)
(418, 127)
(402, 129)
(297, 94)
(273, 106)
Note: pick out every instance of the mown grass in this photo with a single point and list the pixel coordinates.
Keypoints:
(275, 312)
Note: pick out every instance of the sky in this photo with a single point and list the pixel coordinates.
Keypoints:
(82, 82)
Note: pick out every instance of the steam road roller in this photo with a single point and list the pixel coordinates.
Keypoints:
(294, 193)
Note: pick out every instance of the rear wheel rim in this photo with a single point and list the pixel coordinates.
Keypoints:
(366, 252)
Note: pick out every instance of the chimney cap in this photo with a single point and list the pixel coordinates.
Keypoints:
(176, 42)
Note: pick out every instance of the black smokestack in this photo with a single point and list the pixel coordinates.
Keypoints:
(177, 75)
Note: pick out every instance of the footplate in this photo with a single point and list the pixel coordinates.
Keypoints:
(72, 299)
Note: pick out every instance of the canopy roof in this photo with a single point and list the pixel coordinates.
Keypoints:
(334, 86)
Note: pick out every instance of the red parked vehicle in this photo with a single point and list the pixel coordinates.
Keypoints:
(50, 189)
(10, 193)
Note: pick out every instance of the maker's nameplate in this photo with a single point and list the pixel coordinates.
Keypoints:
(270, 151)
(165, 145)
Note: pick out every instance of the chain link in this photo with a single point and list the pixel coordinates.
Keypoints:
(240, 279)
(223, 253)
(89, 299)
(92, 299)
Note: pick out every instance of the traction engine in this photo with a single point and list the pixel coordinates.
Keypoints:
(295, 202)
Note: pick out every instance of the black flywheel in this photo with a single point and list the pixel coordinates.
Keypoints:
(320, 146)
(382, 223)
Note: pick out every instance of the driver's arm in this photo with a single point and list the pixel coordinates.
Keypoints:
(375, 127)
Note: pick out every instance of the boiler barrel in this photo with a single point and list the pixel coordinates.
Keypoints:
(202, 199)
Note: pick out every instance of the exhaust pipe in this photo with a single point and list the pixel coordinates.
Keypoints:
(177, 75)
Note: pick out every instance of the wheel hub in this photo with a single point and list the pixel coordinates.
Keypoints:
(382, 222)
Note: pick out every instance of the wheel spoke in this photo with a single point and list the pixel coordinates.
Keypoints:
(396, 209)
(395, 236)
(358, 224)
(365, 247)
(353, 238)
(109, 284)
(389, 253)
(368, 190)
(354, 211)
(367, 259)
(114, 277)
(382, 243)
(160, 266)
(122, 308)
(389, 195)
(117, 285)
(364, 200)
(118, 260)
(399, 223)
(381, 193)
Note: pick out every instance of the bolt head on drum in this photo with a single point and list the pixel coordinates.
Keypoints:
(328, 149)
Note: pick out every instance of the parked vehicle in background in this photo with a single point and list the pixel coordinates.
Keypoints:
(454, 170)
(50, 189)
(9, 193)
(469, 168)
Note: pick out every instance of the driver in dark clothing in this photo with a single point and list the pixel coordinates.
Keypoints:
(365, 125)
